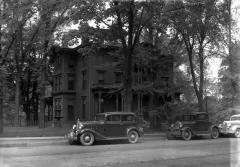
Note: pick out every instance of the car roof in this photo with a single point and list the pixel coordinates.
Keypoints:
(237, 115)
(117, 113)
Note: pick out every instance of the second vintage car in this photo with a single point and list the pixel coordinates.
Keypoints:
(231, 127)
(107, 126)
(194, 124)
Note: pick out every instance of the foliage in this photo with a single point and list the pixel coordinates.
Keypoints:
(199, 26)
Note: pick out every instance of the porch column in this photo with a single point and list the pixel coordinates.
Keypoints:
(99, 101)
(117, 102)
(122, 99)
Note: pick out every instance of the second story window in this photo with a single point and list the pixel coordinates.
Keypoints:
(71, 63)
(164, 81)
(70, 82)
(57, 83)
(84, 79)
(118, 77)
(58, 107)
(58, 60)
(101, 76)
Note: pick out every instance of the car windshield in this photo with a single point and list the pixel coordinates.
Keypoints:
(100, 117)
(235, 118)
(186, 118)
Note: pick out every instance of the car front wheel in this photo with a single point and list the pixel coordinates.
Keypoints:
(186, 134)
(87, 138)
(237, 133)
(214, 133)
(133, 136)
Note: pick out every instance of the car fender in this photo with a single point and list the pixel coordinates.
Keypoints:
(133, 128)
(213, 126)
(235, 127)
(79, 132)
(186, 127)
(96, 135)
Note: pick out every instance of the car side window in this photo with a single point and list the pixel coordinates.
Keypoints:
(113, 118)
(202, 117)
(128, 118)
(235, 118)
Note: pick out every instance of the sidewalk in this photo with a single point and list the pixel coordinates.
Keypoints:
(34, 131)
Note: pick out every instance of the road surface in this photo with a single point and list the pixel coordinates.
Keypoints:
(223, 152)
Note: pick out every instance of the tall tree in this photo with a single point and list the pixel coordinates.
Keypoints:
(118, 22)
(199, 26)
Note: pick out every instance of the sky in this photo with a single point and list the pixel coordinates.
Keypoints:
(215, 63)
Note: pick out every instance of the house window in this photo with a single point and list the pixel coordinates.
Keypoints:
(101, 76)
(57, 83)
(84, 62)
(164, 81)
(71, 63)
(84, 80)
(118, 77)
(70, 82)
(58, 107)
(70, 114)
(58, 60)
(100, 59)
(84, 107)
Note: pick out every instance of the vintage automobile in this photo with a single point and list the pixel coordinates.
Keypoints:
(194, 124)
(107, 126)
(231, 127)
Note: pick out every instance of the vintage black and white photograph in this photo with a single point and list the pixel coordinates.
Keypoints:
(119, 83)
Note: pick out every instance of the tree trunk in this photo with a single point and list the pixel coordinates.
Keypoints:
(233, 89)
(1, 114)
(42, 107)
(128, 82)
(1, 111)
(17, 101)
(200, 94)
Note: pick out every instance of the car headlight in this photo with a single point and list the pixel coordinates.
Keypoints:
(180, 125)
(220, 125)
(74, 127)
(228, 125)
(79, 125)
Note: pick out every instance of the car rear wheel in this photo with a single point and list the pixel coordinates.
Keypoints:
(87, 138)
(237, 133)
(214, 133)
(133, 136)
(186, 134)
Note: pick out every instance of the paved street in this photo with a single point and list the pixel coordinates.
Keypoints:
(153, 151)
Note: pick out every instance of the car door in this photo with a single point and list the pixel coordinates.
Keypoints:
(202, 123)
(113, 126)
(128, 120)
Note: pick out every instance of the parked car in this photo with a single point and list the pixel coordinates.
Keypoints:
(194, 124)
(107, 126)
(231, 127)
